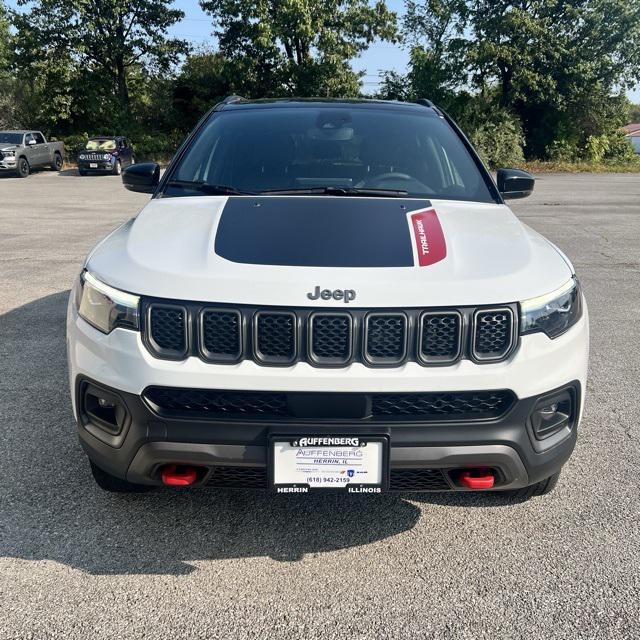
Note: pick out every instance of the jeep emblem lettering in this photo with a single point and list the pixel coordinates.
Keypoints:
(346, 295)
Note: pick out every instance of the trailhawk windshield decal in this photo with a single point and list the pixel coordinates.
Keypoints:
(328, 231)
(430, 245)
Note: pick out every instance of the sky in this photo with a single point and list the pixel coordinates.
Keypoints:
(381, 56)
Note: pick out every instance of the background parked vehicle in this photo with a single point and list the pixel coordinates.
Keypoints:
(106, 154)
(22, 151)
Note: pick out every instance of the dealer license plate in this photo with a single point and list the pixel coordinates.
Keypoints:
(351, 464)
(93, 165)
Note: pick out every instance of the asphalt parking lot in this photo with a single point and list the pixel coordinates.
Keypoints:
(78, 563)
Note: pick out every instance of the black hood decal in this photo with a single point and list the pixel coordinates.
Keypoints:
(323, 231)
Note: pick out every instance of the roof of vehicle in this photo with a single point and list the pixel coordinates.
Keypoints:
(237, 102)
(19, 131)
(105, 137)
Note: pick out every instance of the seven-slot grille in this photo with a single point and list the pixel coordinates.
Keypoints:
(331, 338)
(93, 157)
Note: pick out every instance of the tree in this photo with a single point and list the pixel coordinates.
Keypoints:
(203, 81)
(108, 39)
(558, 66)
(8, 115)
(298, 47)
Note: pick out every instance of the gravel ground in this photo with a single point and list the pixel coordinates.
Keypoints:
(78, 563)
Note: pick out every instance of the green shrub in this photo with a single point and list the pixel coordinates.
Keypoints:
(562, 150)
(74, 144)
(156, 147)
(499, 140)
(596, 148)
(620, 149)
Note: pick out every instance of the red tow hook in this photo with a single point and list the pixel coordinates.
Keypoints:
(477, 479)
(178, 475)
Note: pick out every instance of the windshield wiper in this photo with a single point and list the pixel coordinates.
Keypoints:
(209, 189)
(339, 191)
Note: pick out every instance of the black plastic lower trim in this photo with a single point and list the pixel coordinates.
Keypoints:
(146, 427)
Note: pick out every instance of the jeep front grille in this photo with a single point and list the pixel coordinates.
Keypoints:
(226, 334)
(216, 404)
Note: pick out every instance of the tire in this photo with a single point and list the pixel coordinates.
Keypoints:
(58, 162)
(110, 483)
(541, 488)
(117, 168)
(23, 170)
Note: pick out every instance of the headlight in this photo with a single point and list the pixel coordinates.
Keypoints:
(8, 154)
(104, 307)
(107, 156)
(553, 313)
(82, 156)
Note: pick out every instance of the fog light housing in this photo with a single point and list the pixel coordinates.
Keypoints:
(103, 409)
(553, 415)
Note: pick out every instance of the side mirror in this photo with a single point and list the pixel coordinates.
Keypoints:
(142, 178)
(31, 142)
(513, 183)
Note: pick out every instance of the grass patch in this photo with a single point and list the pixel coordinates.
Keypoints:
(539, 166)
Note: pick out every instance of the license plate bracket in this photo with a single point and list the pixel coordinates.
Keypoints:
(341, 462)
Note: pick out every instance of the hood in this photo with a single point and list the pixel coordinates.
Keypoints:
(286, 250)
(8, 147)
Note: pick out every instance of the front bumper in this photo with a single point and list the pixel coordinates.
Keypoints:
(102, 166)
(8, 164)
(238, 448)
(120, 362)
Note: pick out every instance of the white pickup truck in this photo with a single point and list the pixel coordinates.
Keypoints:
(22, 151)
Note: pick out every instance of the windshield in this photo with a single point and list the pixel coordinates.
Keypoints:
(333, 147)
(101, 145)
(10, 138)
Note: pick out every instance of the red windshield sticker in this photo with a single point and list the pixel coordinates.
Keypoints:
(430, 244)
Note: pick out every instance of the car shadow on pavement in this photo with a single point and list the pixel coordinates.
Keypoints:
(51, 509)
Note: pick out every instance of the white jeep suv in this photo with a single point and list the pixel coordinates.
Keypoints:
(327, 295)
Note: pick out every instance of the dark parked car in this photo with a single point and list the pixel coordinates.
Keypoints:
(106, 154)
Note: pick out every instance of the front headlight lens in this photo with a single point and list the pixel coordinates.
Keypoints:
(553, 313)
(82, 156)
(9, 154)
(105, 307)
(107, 156)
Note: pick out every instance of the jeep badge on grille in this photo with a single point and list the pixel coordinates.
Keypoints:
(347, 295)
